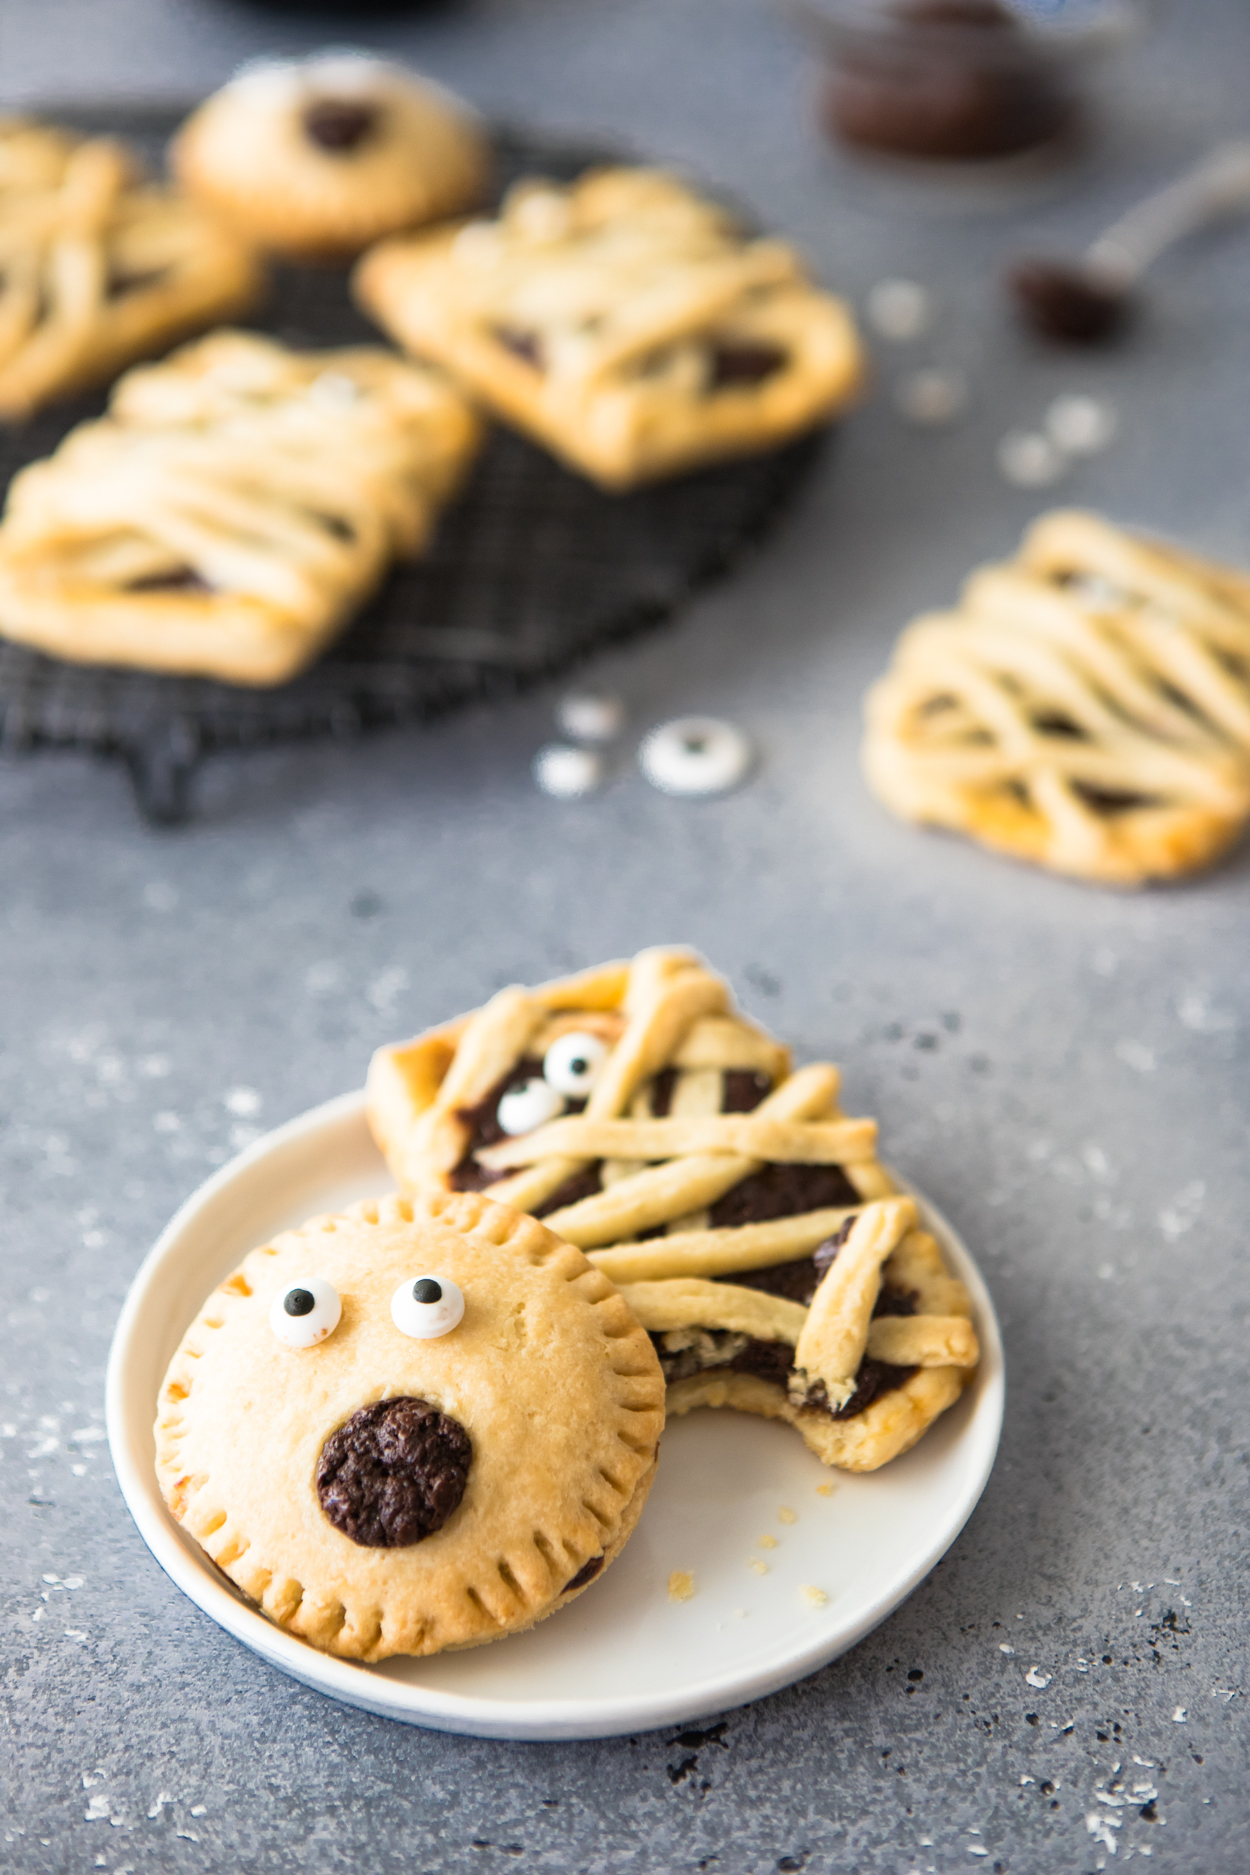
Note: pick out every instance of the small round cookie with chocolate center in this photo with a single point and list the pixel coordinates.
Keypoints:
(457, 1444)
(314, 159)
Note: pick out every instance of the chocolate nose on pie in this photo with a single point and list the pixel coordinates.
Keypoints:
(393, 1473)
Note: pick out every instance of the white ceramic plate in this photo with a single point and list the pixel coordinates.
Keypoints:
(623, 1658)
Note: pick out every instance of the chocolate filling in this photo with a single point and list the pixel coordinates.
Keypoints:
(339, 124)
(1109, 801)
(773, 1361)
(184, 579)
(583, 1184)
(527, 346)
(485, 1130)
(783, 1191)
(587, 1573)
(393, 1473)
(744, 364)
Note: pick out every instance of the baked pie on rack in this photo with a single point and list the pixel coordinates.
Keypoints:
(1086, 706)
(624, 321)
(745, 1218)
(234, 508)
(98, 267)
(315, 158)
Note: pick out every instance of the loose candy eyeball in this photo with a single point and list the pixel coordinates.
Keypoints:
(305, 1312)
(695, 755)
(425, 1307)
(531, 1104)
(573, 1062)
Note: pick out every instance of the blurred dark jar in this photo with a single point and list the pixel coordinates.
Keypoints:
(945, 80)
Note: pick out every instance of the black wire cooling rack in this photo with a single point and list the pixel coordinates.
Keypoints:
(532, 569)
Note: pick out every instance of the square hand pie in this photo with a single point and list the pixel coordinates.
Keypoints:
(656, 1128)
(235, 507)
(423, 1424)
(99, 267)
(623, 321)
(1085, 706)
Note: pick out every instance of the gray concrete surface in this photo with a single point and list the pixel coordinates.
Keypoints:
(1063, 1069)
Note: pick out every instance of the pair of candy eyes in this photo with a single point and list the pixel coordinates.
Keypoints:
(308, 1311)
(571, 1066)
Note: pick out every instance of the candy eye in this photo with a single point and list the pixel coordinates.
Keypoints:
(531, 1104)
(425, 1307)
(305, 1312)
(571, 1065)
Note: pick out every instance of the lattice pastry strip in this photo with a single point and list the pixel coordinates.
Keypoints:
(232, 510)
(97, 267)
(1086, 706)
(861, 1385)
(624, 321)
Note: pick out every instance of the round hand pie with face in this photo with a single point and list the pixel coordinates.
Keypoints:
(422, 1424)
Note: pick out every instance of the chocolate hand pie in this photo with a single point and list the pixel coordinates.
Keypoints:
(656, 1128)
(316, 158)
(411, 1476)
(1086, 706)
(233, 509)
(624, 321)
(97, 266)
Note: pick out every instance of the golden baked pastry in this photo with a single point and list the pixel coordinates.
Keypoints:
(624, 321)
(234, 508)
(423, 1424)
(655, 1127)
(97, 266)
(315, 158)
(1086, 706)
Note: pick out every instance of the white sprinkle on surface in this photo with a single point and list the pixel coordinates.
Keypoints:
(566, 773)
(244, 1102)
(1029, 459)
(934, 395)
(899, 310)
(1080, 425)
(1004, 1647)
(1180, 1715)
(584, 717)
(1035, 1677)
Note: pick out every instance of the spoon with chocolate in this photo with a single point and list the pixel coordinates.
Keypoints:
(1090, 301)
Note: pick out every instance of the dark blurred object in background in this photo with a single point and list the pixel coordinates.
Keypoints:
(955, 80)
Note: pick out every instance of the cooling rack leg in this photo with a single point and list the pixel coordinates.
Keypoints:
(162, 760)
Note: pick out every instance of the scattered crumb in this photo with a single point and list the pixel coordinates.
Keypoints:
(824, 1490)
(740, 1613)
(760, 1568)
(680, 1585)
(815, 1598)
(786, 1515)
(768, 1542)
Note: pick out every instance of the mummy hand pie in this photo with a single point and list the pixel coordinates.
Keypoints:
(235, 507)
(623, 321)
(1086, 706)
(98, 267)
(423, 1424)
(316, 158)
(655, 1127)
